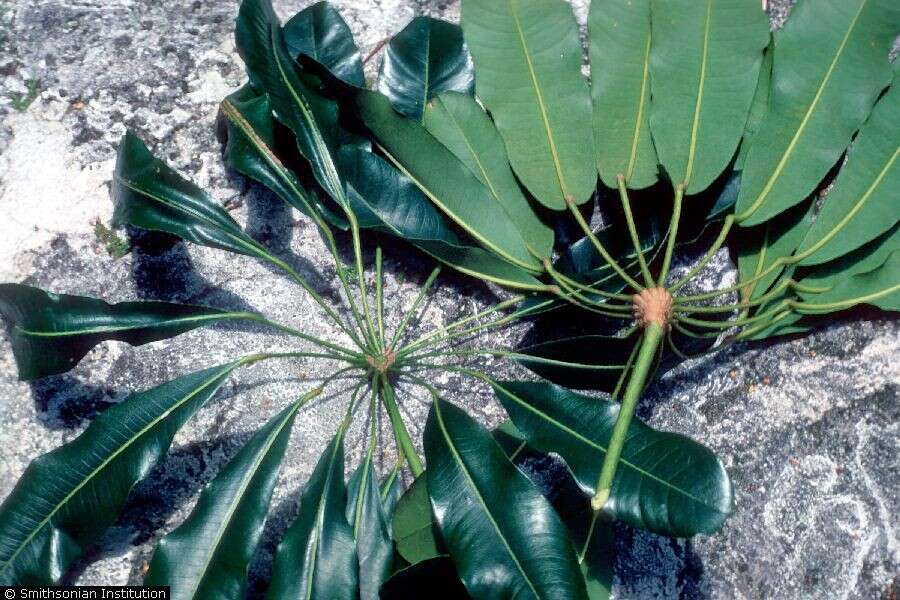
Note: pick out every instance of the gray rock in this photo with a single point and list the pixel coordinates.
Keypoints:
(807, 426)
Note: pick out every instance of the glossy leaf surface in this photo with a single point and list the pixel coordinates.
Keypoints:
(67, 498)
(459, 123)
(528, 75)
(150, 195)
(665, 482)
(818, 99)
(413, 525)
(320, 33)
(250, 150)
(51, 332)
(620, 88)
(863, 202)
(371, 529)
(317, 556)
(503, 536)
(446, 181)
(426, 58)
(208, 555)
(704, 66)
(385, 200)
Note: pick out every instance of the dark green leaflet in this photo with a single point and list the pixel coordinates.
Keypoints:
(528, 74)
(665, 482)
(415, 532)
(620, 87)
(317, 556)
(67, 498)
(426, 58)
(319, 32)
(50, 332)
(818, 99)
(369, 521)
(208, 555)
(704, 65)
(500, 531)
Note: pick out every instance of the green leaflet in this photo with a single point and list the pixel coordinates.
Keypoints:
(67, 498)
(593, 535)
(528, 75)
(445, 180)
(50, 332)
(818, 99)
(312, 118)
(863, 202)
(704, 66)
(413, 525)
(319, 32)
(587, 362)
(620, 87)
(426, 58)
(367, 517)
(879, 287)
(150, 195)
(385, 200)
(665, 482)
(460, 124)
(761, 246)
(317, 556)
(503, 536)
(437, 575)
(208, 555)
(758, 108)
(250, 150)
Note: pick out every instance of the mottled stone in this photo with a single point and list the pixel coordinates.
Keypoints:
(807, 427)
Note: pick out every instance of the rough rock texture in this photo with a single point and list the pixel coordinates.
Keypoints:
(807, 426)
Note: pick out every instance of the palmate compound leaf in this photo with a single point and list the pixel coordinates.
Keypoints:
(67, 498)
(503, 536)
(528, 75)
(367, 517)
(319, 32)
(665, 482)
(459, 123)
(446, 181)
(620, 87)
(150, 195)
(207, 556)
(704, 65)
(317, 556)
(426, 58)
(51, 332)
(818, 99)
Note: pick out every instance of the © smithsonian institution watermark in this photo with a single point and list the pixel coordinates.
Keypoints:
(99, 592)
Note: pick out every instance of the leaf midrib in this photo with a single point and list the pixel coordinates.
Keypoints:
(462, 466)
(636, 136)
(701, 87)
(593, 444)
(109, 459)
(165, 323)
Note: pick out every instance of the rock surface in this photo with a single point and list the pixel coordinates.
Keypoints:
(808, 427)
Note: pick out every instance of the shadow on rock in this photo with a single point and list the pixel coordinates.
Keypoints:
(64, 402)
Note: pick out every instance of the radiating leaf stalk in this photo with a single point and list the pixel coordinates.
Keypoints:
(401, 435)
(628, 364)
(404, 321)
(601, 249)
(632, 229)
(572, 288)
(708, 256)
(652, 336)
(391, 478)
(379, 294)
(673, 234)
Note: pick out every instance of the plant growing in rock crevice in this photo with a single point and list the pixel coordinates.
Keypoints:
(745, 127)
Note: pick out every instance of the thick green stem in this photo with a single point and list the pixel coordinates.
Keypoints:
(632, 230)
(401, 435)
(653, 334)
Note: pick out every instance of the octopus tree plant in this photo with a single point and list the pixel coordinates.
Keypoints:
(480, 146)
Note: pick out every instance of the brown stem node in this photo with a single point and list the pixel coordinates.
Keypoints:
(653, 305)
